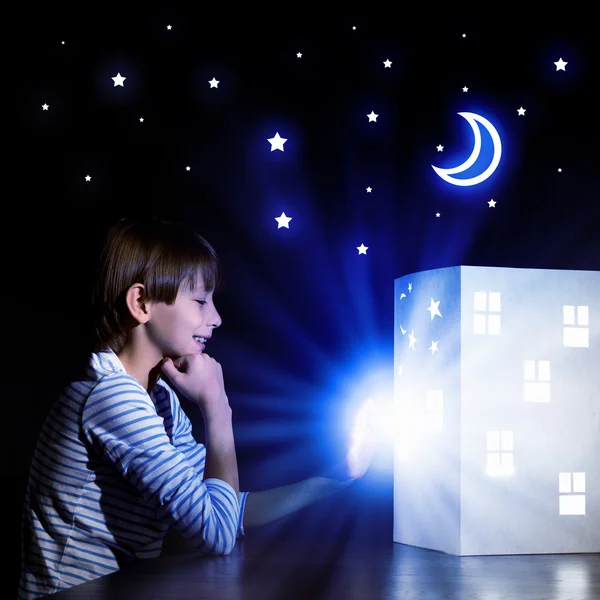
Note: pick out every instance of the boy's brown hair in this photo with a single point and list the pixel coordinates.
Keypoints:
(157, 253)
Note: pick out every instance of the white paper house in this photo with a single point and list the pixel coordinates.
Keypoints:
(497, 410)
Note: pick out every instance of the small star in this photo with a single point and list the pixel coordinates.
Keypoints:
(412, 339)
(521, 111)
(440, 148)
(169, 27)
(45, 106)
(465, 89)
(372, 117)
(387, 63)
(354, 28)
(492, 203)
(464, 35)
(63, 43)
(118, 80)
(141, 119)
(369, 190)
(559, 170)
(362, 249)
(410, 287)
(277, 142)
(437, 214)
(561, 64)
(283, 221)
(434, 348)
(434, 309)
(188, 168)
(88, 178)
(299, 55)
(214, 83)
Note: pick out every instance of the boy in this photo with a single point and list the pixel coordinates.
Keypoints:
(116, 464)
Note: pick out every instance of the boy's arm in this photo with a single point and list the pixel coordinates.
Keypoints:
(266, 506)
(121, 423)
(269, 505)
(259, 508)
(195, 452)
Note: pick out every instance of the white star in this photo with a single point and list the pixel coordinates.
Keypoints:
(214, 83)
(437, 214)
(561, 64)
(354, 28)
(63, 43)
(410, 287)
(464, 35)
(118, 80)
(369, 190)
(521, 111)
(283, 221)
(299, 55)
(433, 347)
(387, 63)
(372, 117)
(277, 142)
(434, 310)
(169, 27)
(440, 148)
(362, 249)
(559, 170)
(412, 339)
(465, 89)
(188, 168)
(45, 106)
(141, 119)
(88, 178)
(399, 369)
(492, 203)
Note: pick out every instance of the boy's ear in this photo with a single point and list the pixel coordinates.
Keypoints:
(137, 303)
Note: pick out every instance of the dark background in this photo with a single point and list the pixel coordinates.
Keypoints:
(302, 310)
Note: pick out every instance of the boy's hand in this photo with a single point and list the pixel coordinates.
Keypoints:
(199, 377)
(361, 446)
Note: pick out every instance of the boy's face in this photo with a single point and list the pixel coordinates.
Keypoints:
(172, 329)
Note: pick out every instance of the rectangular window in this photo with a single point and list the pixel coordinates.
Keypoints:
(486, 316)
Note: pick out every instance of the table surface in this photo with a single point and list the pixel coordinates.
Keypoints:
(346, 569)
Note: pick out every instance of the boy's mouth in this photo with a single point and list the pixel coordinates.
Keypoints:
(200, 341)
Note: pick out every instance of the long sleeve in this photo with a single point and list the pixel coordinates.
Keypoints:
(122, 425)
(195, 452)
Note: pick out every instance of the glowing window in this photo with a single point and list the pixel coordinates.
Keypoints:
(571, 488)
(576, 332)
(536, 387)
(500, 453)
(486, 317)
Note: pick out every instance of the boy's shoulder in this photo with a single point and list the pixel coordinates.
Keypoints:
(162, 386)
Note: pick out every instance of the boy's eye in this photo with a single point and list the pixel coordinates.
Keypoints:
(201, 302)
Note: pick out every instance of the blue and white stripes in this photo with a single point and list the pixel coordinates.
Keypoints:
(113, 469)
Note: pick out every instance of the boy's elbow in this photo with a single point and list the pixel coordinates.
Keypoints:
(224, 550)
(228, 550)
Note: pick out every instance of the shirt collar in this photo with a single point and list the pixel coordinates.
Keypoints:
(107, 362)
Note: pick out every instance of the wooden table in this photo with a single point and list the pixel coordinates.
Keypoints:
(346, 569)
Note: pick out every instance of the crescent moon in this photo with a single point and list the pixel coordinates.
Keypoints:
(473, 120)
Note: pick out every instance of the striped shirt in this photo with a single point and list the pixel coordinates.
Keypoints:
(114, 467)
